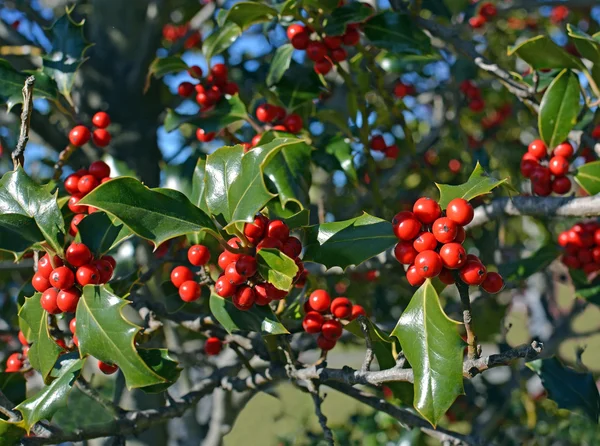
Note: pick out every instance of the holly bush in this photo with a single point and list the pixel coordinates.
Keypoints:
(209, 202)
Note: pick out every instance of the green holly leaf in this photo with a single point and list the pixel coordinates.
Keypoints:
(44, 351)
(276, 268)
(588, 177)
(339, 147)
(280, 63)
(12, 81)
(44, 404)
(260, 319)
(479, 183)
(588, 46)
(585, 289)
(524, 268)
(101, 233)
(221, 39)
(234, 184)
(570, 389)
(434, 349)
(11, 433)
(349, 242)
(224, 114)
(105, 334)
(559, 109)
(154, 214)
(13, 386)
(325, 5)
(198, 196)
(344, 15)
(542, 53)
(159, 360)
(246, 14)
(164, 65)
(29, 215)
(397, 33)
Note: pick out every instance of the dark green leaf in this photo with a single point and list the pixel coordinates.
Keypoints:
(479, 183)
(340, 148)
(13, 386)
(434, 349)
(165, 65)
(280, 63)
(154, 214)
(397, 33)
(246, 14)
(538, 261)
(198, 196)
(28, 214)
(542, 53)
(225, 113)
(559, 109)
(44, 351)
(10, 433)
(342, 16)
(105, 334)
(588, 177)
(570, 389)
(276, 268)
(585, 289)
(259, 319)
(220, 40)
(325, 5)
(12, 81)
(158, 359)
(587, 46)
(101, 233)
(348, 242)
(44, 404)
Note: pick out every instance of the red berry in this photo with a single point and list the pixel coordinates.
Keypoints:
(62, 278)
(100, 170)
(341, 307)
(181, 274)
(316, 51)
(473, 272)
(101, 137)
(292, 247)
(107, 369)
(101, 120)
(79, 135)
(256, 229)
(87, 183)
(202, 136)
(198, 255)
(444, 229)
(232, 274)
(487, 10)
(71, 184)
(564, 149)
(413, 276)
(45, 267)
(219, 70)
(332, 42)
(406, 226)
(558, 165)
(351, 37)
(426, 241)
(262, 294)
(185, 89)
(405, 253)
(460, 211)
(453, 255)
(294, 30)
(213, 346)
(312, 322)
(246, 266)
(78, 254)
(22, 338)
(195, 71)
(243, 298)
(339, 55)
(67, 300)
(265, 113)
(325, 344)
(357, 310)
(493, 283)
(477, 21)
(460, 234)
(87, 275)
(301, 41)
(278, 230)
(332, 330)
(110, 260)
(73, 325)
(538, 149)
(428, 264)
(427, 210)
(225, 258)
(293, 123)
(323, 66)
(189, 291)
(561, 185)
(48, 301)
(40, 283)
(105, 269)
(231, 88)
(528, 164)
(14, 363)
(74, 207)
(269, 242)
(319, 300)
(224, 287)
(571, 261)
(446, 276)
(392, 151)
(378, 143)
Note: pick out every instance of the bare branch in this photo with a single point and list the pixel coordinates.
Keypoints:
(528, 352)
(87, 389)
(317, 400)
(18, 155)
(463, 291)
(369, 355)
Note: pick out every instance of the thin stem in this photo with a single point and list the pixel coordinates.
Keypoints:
(369, 355)
(18, 156)
(317, 400)
(463, 291)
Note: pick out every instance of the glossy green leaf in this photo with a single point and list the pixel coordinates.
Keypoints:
(258, 319)
(235, 186)
(570, 389)
(479, 183)
(44, 351)
(12, 81)
(44, 404)
(397, 33)
(105, 334)
(348, 242)
(28, 214)
(588, 177)
(198, 196)
(101, 233)
(164, 65)
(542, 53)
(246, 14)
(585, 289)
(325, 5)
(587, 46)
(280, 63)
(10, 433)
(341, 150)
(220, 40)
(525, 267)
(559, 108)
(13, 386)
(343, 15)
(159, 360)
(225, 113)
(276, 268)
(434, 349)
(154, 214)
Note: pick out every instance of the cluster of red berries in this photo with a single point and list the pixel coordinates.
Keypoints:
(486, 11)
(278, 117)
(402, 90)
(551, 175)
(172, 33)
(582, 246)
(80, 134)
(378, 144)
(326, 51)
(209, 92)
(431, 245)
(473, 95)
(322, 315)
(82, 183)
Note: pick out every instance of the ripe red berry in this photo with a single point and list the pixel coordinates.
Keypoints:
(99, 169)
(48, 301)
(564, 149)
(301, 40)
(224, 287)
(213, 346)
(332, 330)
(101, 120)
(561, 185)
(538, 149)
(22, 338)
(446, 276)
(426, 241)
(558, 165)
(444, 229)
(110, 260)
(14, 363)
(181, 274)
(73, 325)
(323, 66)
(339, 55)
(325, 344)
(71, 184)
(225, 258)
(278, 229)
(269, 242)
(107, 369)
(78, 254)
(316, 51)
(232, 274)
(453, 255)
(473, 272)
(87, 183)
(341, 307)
(378, 143)
(319, 300)
(488, 10)
(265, 113)
(231, 88)
(413, 276)
(87, 275)
(189, 291)
(105, 269)
(262, 294)
(332, 42)
(246, 266)
(45, 267)
(312, 322)
(571, 261)
(357, 310)
(195, 71)
(293, 123)
(198, 255)
(79, 135)
(185, 89)
(292, 247)
(477, 21)
(528, 164)
(351, 37)
(219, 70)
(460, 234)
(67, 300)
(101, 137)
(40, 283)
(460, 211)
(243, 299)
(295, 29)
(392, 151)
(493, 283)
(428, 264)
(256, 229)
(406, 226)
(427, 210)
(62, 278)
(203, 136)
(405, 253)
